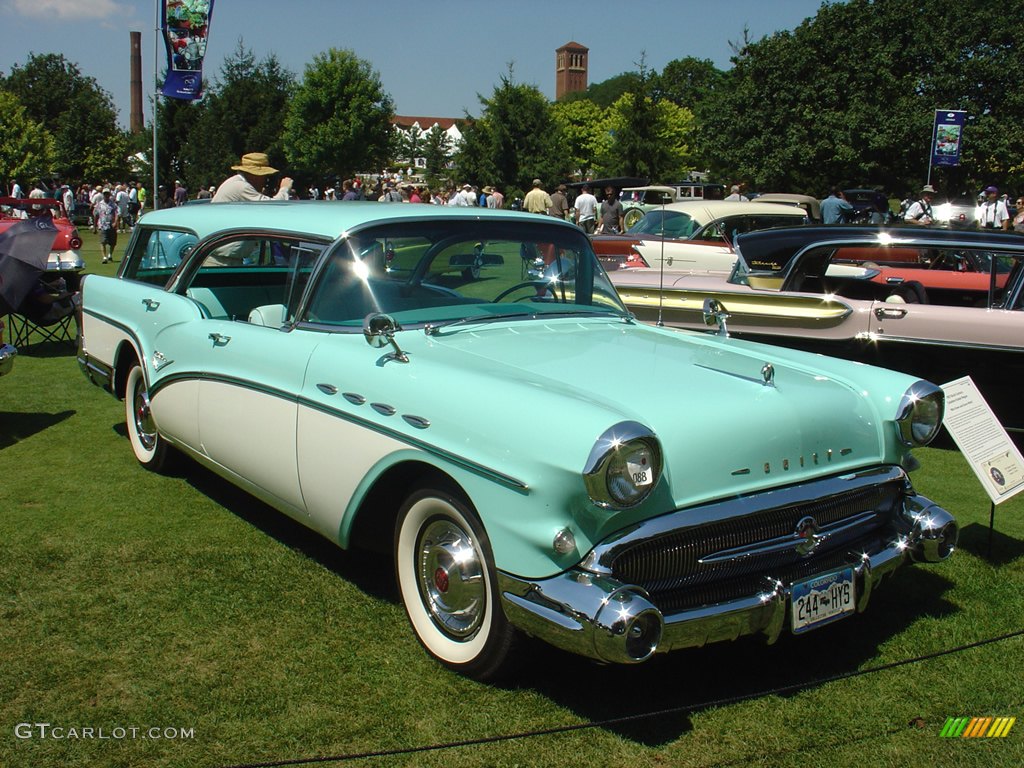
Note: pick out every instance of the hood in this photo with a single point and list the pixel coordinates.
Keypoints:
(720, 424)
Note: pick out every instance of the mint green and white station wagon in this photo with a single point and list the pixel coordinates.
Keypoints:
(465, 389)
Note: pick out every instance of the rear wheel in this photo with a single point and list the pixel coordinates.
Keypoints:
(151, 450)
(446, 577)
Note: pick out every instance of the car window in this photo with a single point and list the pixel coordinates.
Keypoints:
(156, 253)
(674, 225)
(257, 279)
(433, 272)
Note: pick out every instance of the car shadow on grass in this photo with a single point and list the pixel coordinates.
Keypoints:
(370, 572)
(15, 427)
(651, 703)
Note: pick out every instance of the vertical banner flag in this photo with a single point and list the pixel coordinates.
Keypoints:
(186, 24)
(947, 136)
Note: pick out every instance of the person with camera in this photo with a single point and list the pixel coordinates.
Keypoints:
(992, 213)
(920, 211)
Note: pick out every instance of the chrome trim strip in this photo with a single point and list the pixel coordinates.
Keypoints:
(782, 543)
(934, 343)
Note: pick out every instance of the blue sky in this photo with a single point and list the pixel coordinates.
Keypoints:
(432, 57)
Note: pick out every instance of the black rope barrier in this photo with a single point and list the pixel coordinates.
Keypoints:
(781, 690)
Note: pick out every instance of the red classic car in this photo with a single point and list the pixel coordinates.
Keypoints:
(65, 255)
(955, 277)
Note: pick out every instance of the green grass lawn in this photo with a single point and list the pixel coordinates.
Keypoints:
(131, 600)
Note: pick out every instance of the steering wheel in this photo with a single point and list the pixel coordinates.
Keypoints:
(525, 284)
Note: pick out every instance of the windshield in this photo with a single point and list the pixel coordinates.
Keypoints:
(675, 225)
(448, 270)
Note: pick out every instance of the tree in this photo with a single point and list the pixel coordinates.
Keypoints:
(650, 136)
(515, 139)
(585, 133)
(797, 114)
(437, 151)
(687, 82)
(241, 112)
(26, 148)
(407, 145)
(607, 92)
(78, 113)
(339, 120)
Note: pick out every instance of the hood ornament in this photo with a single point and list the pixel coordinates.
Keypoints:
(807, 536)
(768, 374)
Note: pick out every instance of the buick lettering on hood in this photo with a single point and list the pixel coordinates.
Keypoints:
(464, 389)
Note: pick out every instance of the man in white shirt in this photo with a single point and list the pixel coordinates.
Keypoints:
(242, 186)
(586, 210)
(735, 196)
(992, 213)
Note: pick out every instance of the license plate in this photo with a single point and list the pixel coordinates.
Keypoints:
(822, 600)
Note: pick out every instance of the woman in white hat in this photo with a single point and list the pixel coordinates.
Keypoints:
(242, 186)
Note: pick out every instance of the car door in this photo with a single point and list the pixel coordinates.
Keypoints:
(249, 370)
(944, 343)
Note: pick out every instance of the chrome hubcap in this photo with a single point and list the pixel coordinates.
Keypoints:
(450, 578)
(144, 427)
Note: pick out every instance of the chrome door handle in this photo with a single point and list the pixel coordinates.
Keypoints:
(890, 313)
(219, 340)
(151, 304)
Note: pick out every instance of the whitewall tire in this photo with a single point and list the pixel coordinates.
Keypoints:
(448, 585)
(149, 447)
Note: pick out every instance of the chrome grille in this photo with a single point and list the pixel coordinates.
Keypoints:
(672, 560)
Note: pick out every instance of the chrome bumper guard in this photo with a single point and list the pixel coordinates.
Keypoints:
(7, 354)
(594, 615)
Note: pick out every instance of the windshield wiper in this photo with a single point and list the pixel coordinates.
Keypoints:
(431, 329)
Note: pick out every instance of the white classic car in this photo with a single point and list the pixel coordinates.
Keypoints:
(694, 237)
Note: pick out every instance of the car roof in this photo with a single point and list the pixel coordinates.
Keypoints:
(320, 218)
(666, 190)
(706, 210)
(778, 245)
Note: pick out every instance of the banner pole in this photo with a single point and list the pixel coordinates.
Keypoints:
(154, 199)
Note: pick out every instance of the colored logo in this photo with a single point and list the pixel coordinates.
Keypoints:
(977, 727)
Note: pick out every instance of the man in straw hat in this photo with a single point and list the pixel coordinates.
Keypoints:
(243, 185)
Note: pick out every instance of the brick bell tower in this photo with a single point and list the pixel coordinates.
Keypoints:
(570, 69)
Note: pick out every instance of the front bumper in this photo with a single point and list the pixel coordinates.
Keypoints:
(7, 355)
(588, 611)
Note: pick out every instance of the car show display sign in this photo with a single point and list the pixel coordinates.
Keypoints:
(186, 26)
(947, 136)
(993, 457)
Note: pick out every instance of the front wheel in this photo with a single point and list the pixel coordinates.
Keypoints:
(151, 450)
(448, 585)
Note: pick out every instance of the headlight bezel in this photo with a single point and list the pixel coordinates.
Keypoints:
(612, 449)
(923, 404)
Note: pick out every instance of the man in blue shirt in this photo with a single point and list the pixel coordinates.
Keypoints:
(835, 208)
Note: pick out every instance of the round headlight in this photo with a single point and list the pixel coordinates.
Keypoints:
(920, 413)
(624, 466)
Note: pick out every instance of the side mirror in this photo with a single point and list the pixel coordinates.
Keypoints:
(379, 331)
(715, 314)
